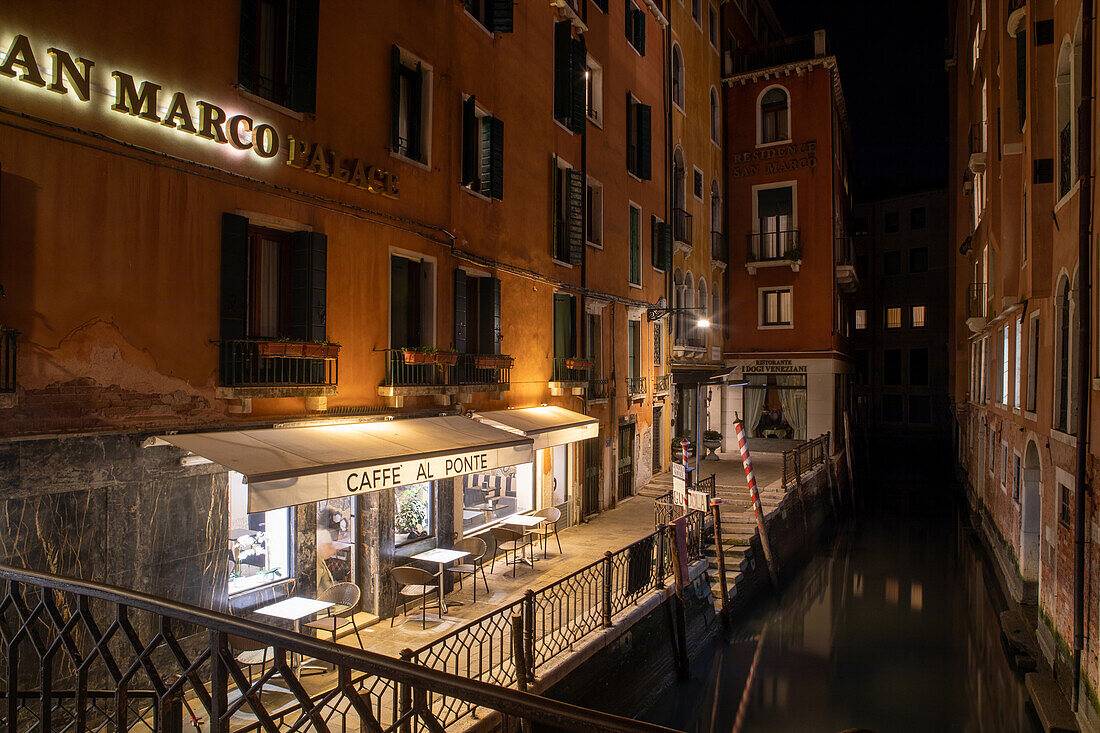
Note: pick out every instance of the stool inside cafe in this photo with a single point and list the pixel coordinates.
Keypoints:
(312, 505)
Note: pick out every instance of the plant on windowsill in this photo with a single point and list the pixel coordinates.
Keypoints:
(446, 357)
(412, 514)
(794, 254)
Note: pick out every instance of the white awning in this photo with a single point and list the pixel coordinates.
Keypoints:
(547, 425)
(288, 466)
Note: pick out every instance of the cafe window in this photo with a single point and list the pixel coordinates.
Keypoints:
(411, 91)
(335, 542)
(413, 516)
(277, 52)
(482, 150)
(259, 543)
(489, 496)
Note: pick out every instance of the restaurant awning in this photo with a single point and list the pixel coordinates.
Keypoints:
(547, 426)
(296, 465)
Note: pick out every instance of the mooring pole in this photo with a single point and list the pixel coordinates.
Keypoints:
(849, 451)
(754, 496)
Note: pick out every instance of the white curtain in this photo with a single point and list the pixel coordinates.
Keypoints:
(793, 402)
(754, 401)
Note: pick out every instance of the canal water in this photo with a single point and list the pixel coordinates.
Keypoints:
(893, 627)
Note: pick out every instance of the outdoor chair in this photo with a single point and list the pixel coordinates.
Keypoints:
(250, 653)
(345, 599)
(473, 563)
(507, 540)
(547, 528)
(412, 583)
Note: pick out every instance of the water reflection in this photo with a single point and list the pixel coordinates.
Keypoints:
(893, 628)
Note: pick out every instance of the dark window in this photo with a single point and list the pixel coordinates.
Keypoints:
(862, 266)
(891, 367)
(565, 317)
(639, 141)
(635, 245)
(859, 226)
(635, 27)
(1021, 76)
(1016, 479)
(918, 259)
(893, 408)
(918, 367)
(495, 15)
(917, 218)
(891, 222)
(862, 365)
(697, 183)
(697, 11)
(277, 54)
(407, 290)
(477, 314)
(568, 203)
(408, 87)
(774, 108)
(920, 409)
(1065, 505)
(482, 151)
(661, 240)
(1062, 387)
(570, 88)
(891, 263)
(1032, 364)
(713, 27)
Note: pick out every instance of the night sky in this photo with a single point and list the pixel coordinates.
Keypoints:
(891, 59)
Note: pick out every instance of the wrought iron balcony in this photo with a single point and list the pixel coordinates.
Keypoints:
(718, 248)
(571, 369)
(270, 363)
(977, 302)
(599, 389)
(411, 369)
(662, 383)
(774, 246)
(635, 386)
(681, 226)
(786, 51)
(8, 339)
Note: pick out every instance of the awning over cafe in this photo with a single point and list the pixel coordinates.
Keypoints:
(547, 426)
(296, 465)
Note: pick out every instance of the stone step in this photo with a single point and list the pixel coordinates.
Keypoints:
(1049, 703)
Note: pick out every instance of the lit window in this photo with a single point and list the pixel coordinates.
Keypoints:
(413, 513)
(918, 316)
(775, 307)
(893, 317)
(861, 319)
(593, 87)
(774, 113)
(259, 543)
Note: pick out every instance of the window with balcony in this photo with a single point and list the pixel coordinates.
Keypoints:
(775, 307)
(776, 236)
(412, 302)
(411, 85)
(893, 317)
(917, 316)
(482, 150)
(277, 53)
(476, 313)
(774, 116)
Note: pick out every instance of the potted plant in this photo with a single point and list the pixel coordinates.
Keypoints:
(419, 355)
(412, 513)
(279, 347)
(493, 361)
(712, 441)
(446, 357)
(677, 452)
(794, 254)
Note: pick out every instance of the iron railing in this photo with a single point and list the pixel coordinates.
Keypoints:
(662, 383)
(845, 252)
(556, 617)
(8, 339)
(804, 458)
(786, 51)
(770, 246)
(681, 226)
(82, 655)
(447, 369)
(635, 386)
(977, 140)
(599, 389)
(977, 302)
(1065, 160)
(259, 363)
(571, 369)
(718, 248)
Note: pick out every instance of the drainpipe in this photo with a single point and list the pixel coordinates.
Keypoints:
(1084, 308)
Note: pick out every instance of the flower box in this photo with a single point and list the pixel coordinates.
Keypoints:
(280, 348)
(446, 358)
(580, 364)
(321, 351)
(493, 361)
(417, 357)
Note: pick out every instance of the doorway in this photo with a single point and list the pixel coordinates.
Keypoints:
(626, 461)
(590, 497)
(1030, 513)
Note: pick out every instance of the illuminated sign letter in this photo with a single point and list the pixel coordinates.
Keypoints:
(265, 141)
(128, 99)
(297, 149)
(63, 65)
(177, 110)
(234, 128)
(318, 163)
(21, 55)
(211, 119)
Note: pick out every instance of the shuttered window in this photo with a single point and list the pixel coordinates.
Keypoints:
(568, 204)
(477, 314)
(565, 315)
(410, 90)
(482, 150)
(635, 245)
(277, 51)
(635, 27)
(495, 15)
(639, 133)
(570, 87)
(661, 241)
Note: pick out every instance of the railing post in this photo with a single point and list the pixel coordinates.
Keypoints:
(529, 633)
(519, 663)
(170, 714)
(720, 551)
(219, 683)
(405, 692)
(660, 583)
(606, 601)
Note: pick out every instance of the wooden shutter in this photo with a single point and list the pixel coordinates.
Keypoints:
(399, 302)
(416, 91)
(395, 82)
(574, 212)
(500, 16)
(302, 56)
(489, 309)
(461, 323)
(664, 235)
(234, 284)
(631, 135)
(308, 285)
(629, 21)
(655, 243)
(644, 141)
(639, 25)
(246, 46)
(496, 158)
(470, 139)
(563, 51)
(579, 100)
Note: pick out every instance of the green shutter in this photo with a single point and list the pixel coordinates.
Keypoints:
(629, 21)
(577, 116)
(246, 46)
(655, 243)
(645, 143)
(308, 285)
(496, 158)
(664, 232)
(563, 52)
(470, 139)
(563, 325)
(395, 91)
(635, 246)
(234, 281)
(489, 314)
(500, 16)
(639, 24)
(302, 56)
(461, 325)
(399, 303)
(574, 212)
(416, 88)
(631, 135)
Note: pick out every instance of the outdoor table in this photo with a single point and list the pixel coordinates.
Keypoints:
(442, 556)
(527, 521)
(295, 609)
(488, 507)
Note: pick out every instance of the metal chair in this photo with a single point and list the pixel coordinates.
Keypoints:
(412, 583)
(508, 540)
(250, 653)
(473, 562)
(547, 528)
(345, 599)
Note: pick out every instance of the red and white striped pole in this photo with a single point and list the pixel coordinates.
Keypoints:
(754, 496)
(684, 443)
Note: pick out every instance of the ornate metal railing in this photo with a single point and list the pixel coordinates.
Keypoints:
(662, 383)
(635, 386)
(804, 458)
(82, 655)
(785, 51)
(446, 369)
(8, 338)
(681, 226)
(599, 389)
(770, 246)
(570, 369)
(266, 363)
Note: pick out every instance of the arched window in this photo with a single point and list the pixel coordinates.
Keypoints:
(687, 316)
(677, 76)
(679, 179)
(704, 303)
(715, 207)
(715, 117)
(1063, 354)
(774, 116)
(1064, 116)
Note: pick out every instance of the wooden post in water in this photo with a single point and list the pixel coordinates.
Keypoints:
(849, 451)
(754, 495)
